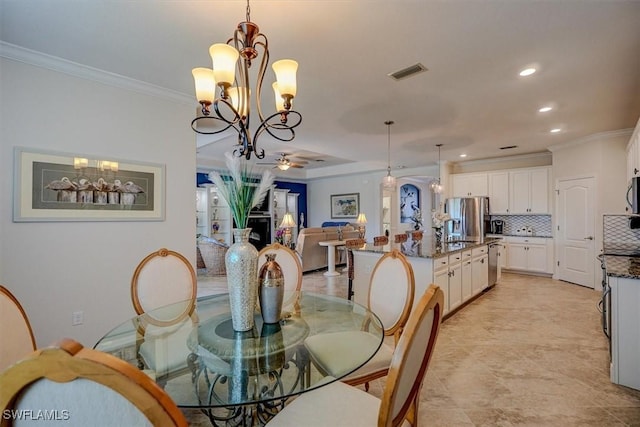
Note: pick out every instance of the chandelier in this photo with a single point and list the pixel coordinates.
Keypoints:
(232, 105)
(389, 181)
(436, 187)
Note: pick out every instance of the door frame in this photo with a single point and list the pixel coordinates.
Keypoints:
(597, 285)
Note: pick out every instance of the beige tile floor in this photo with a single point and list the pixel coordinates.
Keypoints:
(529, 352)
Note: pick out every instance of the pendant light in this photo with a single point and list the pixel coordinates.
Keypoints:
(389, 182)
(436, 186)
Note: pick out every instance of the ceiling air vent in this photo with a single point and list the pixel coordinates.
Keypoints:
(408, 72)
(508, 147)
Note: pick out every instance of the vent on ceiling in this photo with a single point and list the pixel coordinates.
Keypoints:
(508, 147)
(408, 72)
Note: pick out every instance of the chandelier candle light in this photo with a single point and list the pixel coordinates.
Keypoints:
(230, 74)
(389, 181)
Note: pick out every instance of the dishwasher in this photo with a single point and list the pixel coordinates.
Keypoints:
(494, 249)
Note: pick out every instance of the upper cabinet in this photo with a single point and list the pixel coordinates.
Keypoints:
(529, 191)
(513, 191)
(633, 155)
(470, 184)
(498, 192)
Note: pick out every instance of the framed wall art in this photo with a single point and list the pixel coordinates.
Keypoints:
(52, 186)
(345, 205)
(409, 202)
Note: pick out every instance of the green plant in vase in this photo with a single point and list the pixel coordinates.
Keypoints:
(239, 189)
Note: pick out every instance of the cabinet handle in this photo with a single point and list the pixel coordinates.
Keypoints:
(588, 238)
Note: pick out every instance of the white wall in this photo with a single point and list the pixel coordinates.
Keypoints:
(55, 268)
(369, 186)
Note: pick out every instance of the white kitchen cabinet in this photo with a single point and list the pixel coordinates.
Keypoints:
(470, 184)
(529, 254)
(467, 289)
(498, 192)
(625, 324)
(529, 191)
(455, 281)
(479, 273)
(441, 278)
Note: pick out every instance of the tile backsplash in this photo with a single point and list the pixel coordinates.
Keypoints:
(540, 224)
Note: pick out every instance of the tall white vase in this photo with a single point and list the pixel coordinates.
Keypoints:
(241, 262)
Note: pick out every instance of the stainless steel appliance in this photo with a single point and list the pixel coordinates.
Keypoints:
(469, 218)
(497, 226)
(494, 249)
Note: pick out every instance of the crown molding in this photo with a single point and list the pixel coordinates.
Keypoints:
(591, 138)
(502, 159)
(54, 63)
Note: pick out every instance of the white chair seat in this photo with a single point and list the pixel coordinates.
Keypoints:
(335, 405)
(379, 363)
(166, 353)
(333, 352)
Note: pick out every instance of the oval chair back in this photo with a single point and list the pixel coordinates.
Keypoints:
(17, 336)
(391, 289)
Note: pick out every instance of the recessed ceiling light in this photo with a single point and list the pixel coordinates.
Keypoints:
(463, 155)
(555, 130)
(545, 109)
(527, 71)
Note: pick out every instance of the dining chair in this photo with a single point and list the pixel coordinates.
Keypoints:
(80, 386)
(163, 288)
(391, 290)
(400, 238)
(380, 240)
(339, 404)
(16, 335)
(350, 245)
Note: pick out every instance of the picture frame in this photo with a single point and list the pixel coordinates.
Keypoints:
(55, 186)
(345, 205)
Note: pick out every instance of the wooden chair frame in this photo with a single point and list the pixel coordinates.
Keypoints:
(396, 329)
(69, 360)
(138, 306)
(7, 293)
(433, 299)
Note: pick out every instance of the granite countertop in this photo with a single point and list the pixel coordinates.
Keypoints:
(622, 266)
(520, 235)
(426, 248)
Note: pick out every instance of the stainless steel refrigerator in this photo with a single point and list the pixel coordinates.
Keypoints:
(469, 218)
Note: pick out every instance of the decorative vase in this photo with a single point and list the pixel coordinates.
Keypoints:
(241, 262)
(271, 290)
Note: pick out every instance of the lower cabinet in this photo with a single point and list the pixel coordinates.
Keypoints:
(460, 275)
(529, 254)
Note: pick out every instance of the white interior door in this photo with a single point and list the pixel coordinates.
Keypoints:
(575, 239)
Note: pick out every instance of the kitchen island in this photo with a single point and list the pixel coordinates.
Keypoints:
(461, 269)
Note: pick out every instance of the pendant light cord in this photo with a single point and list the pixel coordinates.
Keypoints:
(389, 123)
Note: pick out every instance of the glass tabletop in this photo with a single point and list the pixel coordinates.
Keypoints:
(201, 362)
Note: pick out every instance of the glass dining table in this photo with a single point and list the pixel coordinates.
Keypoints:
(240, 378)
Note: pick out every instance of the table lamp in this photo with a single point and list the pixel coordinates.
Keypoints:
(361, 221)
(287, 223)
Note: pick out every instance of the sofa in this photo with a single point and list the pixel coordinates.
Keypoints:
(313, 255)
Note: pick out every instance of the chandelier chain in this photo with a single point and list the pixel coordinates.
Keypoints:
(248, 12)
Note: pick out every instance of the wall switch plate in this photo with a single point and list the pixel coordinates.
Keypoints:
(77, 318)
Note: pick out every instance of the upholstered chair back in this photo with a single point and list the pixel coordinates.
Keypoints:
(391, 291)
(164, 279)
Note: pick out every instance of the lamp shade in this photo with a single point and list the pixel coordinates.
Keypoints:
(205, 84)
(362, 218)
(287, 221)
(224, 59)
(285, 70)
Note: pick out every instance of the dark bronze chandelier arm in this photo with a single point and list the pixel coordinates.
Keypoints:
(198, 119)
(261, 71)
(271, 126)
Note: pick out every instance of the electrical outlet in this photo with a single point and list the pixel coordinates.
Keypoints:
(77, 318)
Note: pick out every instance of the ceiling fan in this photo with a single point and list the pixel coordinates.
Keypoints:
(284, 162)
